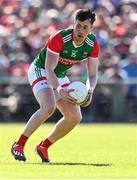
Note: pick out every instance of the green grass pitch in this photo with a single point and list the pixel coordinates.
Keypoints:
(90, 151)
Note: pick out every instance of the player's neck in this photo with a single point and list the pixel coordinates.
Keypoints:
(77, 43)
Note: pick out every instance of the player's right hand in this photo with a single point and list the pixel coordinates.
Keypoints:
(66, 97)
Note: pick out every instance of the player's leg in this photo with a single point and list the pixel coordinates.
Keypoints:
(71, 117)
(45, 97)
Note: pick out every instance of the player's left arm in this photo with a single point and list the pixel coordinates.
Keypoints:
(92, 67)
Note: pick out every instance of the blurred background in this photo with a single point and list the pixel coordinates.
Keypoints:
(25, 25)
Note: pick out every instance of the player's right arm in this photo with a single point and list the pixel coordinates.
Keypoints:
(50, 64)
(54, 47)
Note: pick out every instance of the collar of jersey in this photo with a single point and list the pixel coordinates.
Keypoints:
(76, 46)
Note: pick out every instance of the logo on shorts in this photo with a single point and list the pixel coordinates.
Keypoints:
(45, 83)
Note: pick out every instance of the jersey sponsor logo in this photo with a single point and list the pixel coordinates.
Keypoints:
(69, 61)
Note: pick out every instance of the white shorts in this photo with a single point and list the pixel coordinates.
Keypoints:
(38, 81)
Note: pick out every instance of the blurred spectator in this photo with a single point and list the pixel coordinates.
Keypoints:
(4, 64)
(131, 69)
(19, 69)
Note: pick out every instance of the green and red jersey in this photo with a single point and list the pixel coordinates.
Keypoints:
(62, 44)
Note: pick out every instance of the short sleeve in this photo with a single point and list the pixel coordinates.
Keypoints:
(55, 43)
(95, 52)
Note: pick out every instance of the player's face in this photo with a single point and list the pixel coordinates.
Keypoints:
(81, 30)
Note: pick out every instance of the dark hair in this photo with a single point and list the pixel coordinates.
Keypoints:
(85, 14)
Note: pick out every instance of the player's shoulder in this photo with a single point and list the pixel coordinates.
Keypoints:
(91, 36)
(62, 33)
(66, 32)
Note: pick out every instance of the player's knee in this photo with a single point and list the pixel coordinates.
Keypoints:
(48, 109)
(76, 118)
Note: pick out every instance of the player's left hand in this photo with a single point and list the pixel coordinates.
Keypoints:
(88, 99)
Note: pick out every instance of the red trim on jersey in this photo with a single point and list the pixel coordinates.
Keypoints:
(65, 85)
(37, 80)
(95, 52)
(55, 43)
